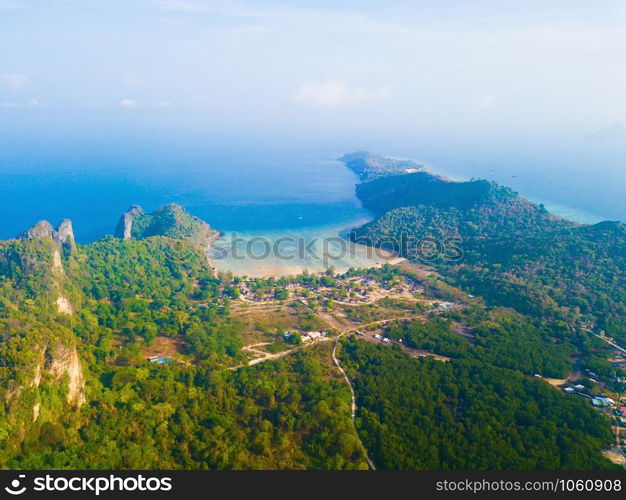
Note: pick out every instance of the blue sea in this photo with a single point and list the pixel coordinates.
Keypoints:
(259, 191)
(233, 191)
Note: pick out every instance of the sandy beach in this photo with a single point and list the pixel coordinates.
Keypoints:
(342, 255)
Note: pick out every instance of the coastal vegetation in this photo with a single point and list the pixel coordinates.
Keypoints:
(425, 414)
(132, 353)
(505, 249)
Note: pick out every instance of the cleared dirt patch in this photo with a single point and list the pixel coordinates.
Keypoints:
(164, 346)
(261, 324)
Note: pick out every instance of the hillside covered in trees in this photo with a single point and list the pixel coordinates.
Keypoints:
(425, 414)
(78, 392)
(81, 386)
(507, 250)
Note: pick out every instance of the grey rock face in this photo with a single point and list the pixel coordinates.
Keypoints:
(65, 232)
(63, 235)
(124, 228)
(42, 229)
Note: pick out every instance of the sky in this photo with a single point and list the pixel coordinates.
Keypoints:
(384, 72)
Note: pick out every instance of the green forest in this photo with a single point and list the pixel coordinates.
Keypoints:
(81, 386)
(502, 339)
(497, 245)
(293, 413)
(466, 415)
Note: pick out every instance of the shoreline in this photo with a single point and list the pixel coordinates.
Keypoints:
(353, 255)
(559, 209)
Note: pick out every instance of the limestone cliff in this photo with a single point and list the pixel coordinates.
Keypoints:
(172, 221)
(62, 360)
(53, 362)
(134, 219)
(63, 235)
(40, 253)
(41, 374)
(42, 229)
(58, 369)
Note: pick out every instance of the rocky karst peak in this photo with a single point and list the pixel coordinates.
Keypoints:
(62, 235)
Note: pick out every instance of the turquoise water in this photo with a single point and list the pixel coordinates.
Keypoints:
(582, 181)
(569, 212)
(233, 191)
(267, 198)
(269, 195)
(292, 251)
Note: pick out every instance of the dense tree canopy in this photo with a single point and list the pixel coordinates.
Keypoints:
(426, 414)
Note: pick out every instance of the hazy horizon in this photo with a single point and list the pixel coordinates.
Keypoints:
(389, 71)
(530, 96)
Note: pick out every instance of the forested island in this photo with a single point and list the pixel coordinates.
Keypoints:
(133, 353)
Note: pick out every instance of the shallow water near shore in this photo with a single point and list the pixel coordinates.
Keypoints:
(264, 198)
(251, 193)
(291, 252)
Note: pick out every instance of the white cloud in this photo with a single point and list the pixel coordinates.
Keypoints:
(129, 103)
(489, 101)
(33, 103)
(337, 94)
(14, 81)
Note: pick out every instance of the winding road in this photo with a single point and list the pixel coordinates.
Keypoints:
(335, 324)
(345, 376)
(267, 356)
